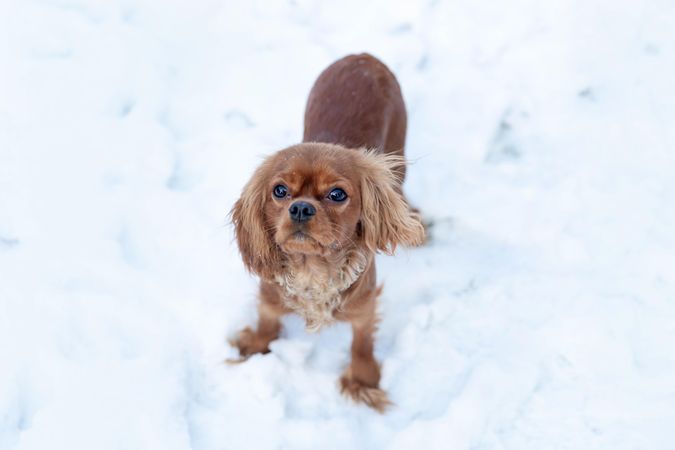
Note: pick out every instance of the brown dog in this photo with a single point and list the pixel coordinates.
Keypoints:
(312, 217)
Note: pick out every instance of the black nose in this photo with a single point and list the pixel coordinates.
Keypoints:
(301, 211)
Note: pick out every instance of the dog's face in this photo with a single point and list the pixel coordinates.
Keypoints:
(320, 199)
(314, 203)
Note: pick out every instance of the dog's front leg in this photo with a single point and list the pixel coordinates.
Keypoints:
(270, 310)
(362, 378)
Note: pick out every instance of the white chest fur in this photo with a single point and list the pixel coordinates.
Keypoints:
(313, 288)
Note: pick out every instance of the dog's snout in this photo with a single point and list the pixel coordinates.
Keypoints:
(301, 211)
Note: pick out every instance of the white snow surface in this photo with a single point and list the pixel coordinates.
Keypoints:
(540, 316)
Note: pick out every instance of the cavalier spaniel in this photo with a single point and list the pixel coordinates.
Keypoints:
(313, 216)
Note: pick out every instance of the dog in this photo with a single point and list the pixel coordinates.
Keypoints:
(313, 216)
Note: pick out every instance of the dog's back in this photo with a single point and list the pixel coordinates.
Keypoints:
(357, 102)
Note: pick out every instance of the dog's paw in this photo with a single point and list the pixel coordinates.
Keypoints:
(359, 392)
(249, 343)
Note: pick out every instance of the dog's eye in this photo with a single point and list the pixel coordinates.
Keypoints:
(280, 191)
(337, 195)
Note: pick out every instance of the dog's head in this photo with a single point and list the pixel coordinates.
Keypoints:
(320, 199)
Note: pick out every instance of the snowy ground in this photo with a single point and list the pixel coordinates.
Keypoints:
(541, 316)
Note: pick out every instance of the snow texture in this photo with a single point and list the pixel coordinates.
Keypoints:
(541, 315)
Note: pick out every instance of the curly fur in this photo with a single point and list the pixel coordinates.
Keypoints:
(315, 291)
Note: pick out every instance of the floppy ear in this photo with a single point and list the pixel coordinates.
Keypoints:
(386, 218)
(258, 249)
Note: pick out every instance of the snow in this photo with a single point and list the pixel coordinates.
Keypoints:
(541, 315)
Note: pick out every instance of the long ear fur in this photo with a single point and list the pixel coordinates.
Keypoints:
(260, 253)
(386, 218)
